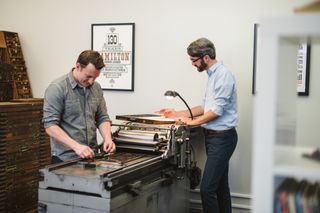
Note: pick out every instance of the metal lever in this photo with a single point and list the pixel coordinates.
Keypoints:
(135, 188)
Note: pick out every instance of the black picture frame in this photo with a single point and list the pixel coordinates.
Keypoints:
(116, 43)
(303, 68)
(254, 60)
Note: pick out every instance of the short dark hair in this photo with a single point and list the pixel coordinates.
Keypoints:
(91, 56)
(202, 47)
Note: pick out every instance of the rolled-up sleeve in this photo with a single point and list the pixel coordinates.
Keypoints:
(53, 105)
(102, 112)
(223, 90)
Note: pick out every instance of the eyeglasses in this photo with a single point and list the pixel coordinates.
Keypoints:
(195, 60)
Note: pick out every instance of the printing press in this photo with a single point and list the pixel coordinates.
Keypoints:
(146, 174)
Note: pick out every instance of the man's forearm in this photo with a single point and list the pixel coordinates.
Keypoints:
(105, 130)
(196, 111)
(61, 136)
(205, 118)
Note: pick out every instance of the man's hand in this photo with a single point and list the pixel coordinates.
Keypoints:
(168, 112)
(84, 151)
(109, 146)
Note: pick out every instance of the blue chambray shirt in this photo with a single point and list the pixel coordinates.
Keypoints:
(77, 111)
(221, 98)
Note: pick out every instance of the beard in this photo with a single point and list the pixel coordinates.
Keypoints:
(202, 66)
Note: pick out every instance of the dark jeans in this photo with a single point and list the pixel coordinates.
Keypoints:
(214, 188)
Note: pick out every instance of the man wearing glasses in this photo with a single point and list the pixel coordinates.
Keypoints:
(218, 115)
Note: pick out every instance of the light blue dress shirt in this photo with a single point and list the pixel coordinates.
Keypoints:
(221, 98)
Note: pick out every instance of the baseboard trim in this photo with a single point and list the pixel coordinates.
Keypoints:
(235, 196)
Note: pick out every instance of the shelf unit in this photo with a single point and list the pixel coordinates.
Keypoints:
(11, 54)
(288, 161)
(277, 151)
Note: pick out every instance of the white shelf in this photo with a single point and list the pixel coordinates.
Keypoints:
(277, 113)
(288, 162)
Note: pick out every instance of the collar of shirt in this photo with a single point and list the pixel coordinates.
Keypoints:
(72, 80)
(213, 68)
(74, 83)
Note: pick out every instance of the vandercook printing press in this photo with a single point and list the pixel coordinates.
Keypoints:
(146, 174)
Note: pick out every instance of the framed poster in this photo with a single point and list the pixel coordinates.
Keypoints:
(115, 42)
(303, 69)
(255, 53)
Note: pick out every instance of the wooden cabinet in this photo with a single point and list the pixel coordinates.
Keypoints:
(24, 149)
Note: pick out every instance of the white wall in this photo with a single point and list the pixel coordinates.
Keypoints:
(53, 33)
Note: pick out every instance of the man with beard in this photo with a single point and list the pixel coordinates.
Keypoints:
(218, 116)
(74, 108)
